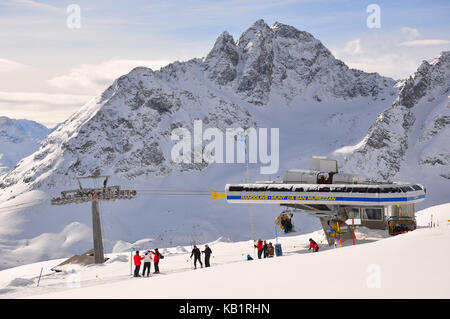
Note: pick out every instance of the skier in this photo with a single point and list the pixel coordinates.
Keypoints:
(265, 246)
(270, 250)
(249, 257)
(137, 263)
(207, 253)
(196, 253)
(259, 246)
(147, 264)
(156, 258)
(313, 245)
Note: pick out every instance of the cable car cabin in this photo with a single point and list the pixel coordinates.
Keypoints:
(332, 195)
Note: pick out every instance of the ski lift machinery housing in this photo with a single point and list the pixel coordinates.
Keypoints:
(335, 197)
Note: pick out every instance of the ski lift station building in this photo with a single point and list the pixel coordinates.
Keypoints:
(335, 197)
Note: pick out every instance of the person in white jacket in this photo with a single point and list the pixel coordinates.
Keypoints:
(147, 263)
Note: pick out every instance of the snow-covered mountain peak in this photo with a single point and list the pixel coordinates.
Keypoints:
(410, 139)
(282, 62)
(431, 75)
(222, 60)
(125, 131)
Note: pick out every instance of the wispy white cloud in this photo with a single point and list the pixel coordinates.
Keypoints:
(8, 65)
(48, 109)
(410, 33)
(425, 42)
(388, 53)
(94, 77)
(31, 4)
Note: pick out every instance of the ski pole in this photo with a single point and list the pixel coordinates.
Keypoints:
(39, 280)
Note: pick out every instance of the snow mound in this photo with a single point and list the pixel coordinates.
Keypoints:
(123, 246)
(441, 215)
(181, 249)
(364, 232)
(119, 258)
(20, 282)
(222, 239)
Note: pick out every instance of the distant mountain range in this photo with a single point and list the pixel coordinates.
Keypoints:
(18, 139)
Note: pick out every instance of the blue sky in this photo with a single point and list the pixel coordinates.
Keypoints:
(42, 60)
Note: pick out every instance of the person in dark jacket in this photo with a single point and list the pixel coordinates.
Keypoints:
(265, 249)
(156, 257)
(196, 253)
(313, 245)
(137, 263)
(270, 250)
(207, 253)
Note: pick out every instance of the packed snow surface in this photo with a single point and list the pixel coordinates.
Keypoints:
(412, 265)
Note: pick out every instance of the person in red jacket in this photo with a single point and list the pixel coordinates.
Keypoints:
(156, 258)
(313, 245)
(137, 263)
(259, 246)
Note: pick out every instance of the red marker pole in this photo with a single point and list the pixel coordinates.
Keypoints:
(353, 229)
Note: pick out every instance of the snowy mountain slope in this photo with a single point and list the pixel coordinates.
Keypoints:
(411, 139)
(18, 139)
(413, 265)
(272, 77)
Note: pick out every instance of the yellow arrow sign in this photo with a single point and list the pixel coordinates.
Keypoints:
(216, 195)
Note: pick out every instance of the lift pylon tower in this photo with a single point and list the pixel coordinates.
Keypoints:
(94, 195)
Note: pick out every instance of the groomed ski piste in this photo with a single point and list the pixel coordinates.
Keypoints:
(411, 265)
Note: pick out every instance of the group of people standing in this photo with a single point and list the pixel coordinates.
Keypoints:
(264, 250)
(197, 256)
(268, 250)
(147, 258)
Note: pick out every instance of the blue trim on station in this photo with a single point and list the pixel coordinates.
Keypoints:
(336, 198)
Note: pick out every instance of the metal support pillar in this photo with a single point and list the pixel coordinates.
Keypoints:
(97, 234)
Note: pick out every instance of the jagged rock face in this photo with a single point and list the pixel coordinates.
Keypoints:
(223, 59)
(126, 130)
(428, 76)
(415, 128)
(268, 62)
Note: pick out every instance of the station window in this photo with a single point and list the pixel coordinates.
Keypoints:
(372, 214)
(359, 190)
(235, 189)
(279, 189)
(354, 212)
